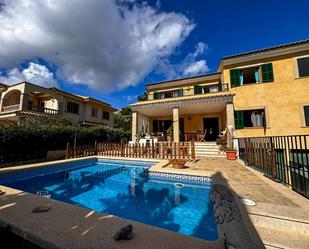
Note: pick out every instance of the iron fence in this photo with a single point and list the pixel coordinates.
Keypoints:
(283, 158)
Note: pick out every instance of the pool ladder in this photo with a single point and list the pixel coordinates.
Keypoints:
(43, 193)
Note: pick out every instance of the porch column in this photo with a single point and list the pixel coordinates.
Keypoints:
(134, 126)
(1, 101)
(230, 123)
(23, 101)
(230, 115)
(176, 124)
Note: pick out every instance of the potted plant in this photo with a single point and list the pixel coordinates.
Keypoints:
(230, 151)
(169, 133)
(143, 133)
(178, 163)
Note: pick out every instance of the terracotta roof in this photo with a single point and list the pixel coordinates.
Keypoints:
(191, 97)
(81, 97)
(295, 43)
(3, 85)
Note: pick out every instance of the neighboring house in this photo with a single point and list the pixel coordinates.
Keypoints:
(260, 93)
(26, 98)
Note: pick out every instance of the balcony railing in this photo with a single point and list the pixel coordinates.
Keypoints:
(205, 90)
(42, 110)
(10, 108)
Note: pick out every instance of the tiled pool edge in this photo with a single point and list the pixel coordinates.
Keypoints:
(60, 165)
(182, 177)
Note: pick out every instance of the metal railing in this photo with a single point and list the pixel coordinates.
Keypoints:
(207, 90)
(283, 158)
(161, 150)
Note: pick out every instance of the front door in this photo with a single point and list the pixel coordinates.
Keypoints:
(211, 125)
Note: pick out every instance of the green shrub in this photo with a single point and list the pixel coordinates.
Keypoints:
(29, 140)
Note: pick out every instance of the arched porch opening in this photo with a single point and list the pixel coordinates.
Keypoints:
(11, 101)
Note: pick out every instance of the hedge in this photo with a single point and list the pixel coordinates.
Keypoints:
(21, 143)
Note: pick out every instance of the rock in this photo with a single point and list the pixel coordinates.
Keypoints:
(230, 226)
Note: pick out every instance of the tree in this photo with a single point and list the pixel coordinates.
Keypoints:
(123, 119)
(34, 121)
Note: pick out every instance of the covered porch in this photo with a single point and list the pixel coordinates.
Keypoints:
(34, 100)
(184, 119)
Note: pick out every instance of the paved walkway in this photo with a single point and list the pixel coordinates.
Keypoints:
(279, 210)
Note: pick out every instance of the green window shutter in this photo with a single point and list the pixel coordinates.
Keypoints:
(180, 92)
(235, 77)
(198, 89)
(239, 119)
(306, 112)
(267, 72)
(155, 95)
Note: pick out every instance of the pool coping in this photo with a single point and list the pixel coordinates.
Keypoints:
(57, 228)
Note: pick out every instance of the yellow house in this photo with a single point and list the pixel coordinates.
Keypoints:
(259, 93)
(22, 99)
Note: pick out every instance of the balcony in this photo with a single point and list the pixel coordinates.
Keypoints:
(44, 110)
(10, 108)
(35, 109)
(207, 89)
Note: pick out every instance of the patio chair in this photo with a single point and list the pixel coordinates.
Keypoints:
(202, 137)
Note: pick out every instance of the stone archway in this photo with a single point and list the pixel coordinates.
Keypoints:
(11, 101)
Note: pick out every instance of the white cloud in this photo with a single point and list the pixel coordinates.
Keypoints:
(35, 73)
(200, 49)
(193, 64)
(130, 97)
(198, 67)
(107, 44)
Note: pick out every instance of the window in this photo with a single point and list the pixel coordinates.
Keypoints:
(206, 89)
(251, 75)
(306, 112)
(168, 94)
(94, 112)
(239, 119)
(267, 72)
(303, 67)
(72, 107)
(105, 115)
(250, 118)
(161, 125)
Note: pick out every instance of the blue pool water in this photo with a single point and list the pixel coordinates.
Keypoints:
(125, 189)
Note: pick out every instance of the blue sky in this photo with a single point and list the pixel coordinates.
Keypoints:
(223, 27)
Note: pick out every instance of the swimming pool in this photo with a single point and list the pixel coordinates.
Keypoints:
(126, 189)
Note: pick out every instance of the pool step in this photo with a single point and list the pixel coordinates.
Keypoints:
(280, 223)
(275, 238)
